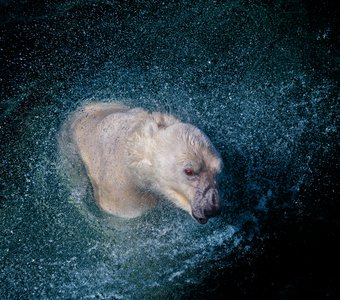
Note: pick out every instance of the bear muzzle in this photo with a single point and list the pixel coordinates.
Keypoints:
(206, 205)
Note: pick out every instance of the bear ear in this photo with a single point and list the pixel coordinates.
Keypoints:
(158, 121)
(150, 129)
(163, 120)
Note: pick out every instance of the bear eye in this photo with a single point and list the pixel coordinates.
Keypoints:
(189, 172)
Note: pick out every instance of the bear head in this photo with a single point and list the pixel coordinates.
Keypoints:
(180, 162)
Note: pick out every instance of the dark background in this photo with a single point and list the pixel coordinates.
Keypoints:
(49, 47)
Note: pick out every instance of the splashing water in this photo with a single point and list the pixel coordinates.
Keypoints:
(237, 71)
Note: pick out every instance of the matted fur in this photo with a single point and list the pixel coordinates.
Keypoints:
(133, 157)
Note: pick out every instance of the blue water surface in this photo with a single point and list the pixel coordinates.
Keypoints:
(258, 77)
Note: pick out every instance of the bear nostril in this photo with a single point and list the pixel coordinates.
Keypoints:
(202, 220)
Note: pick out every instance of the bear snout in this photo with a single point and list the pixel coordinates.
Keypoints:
(212, 208)
(207, 207)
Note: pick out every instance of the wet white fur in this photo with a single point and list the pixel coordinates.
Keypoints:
(133, 157)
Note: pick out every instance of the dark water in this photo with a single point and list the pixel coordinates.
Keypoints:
(259, 77)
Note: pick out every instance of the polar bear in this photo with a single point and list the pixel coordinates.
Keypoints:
(133, 158)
